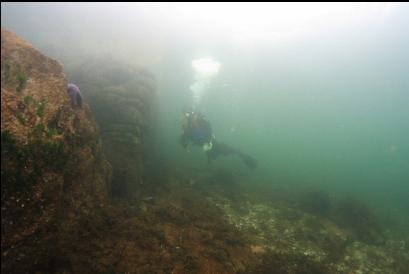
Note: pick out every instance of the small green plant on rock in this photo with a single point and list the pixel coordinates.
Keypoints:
(28, 99)
(25, 164)
(39, 129)
(21, 119)
(40, 109)
(51, 132)
(21, 81)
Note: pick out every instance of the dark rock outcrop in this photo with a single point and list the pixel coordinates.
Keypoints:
(121, 98)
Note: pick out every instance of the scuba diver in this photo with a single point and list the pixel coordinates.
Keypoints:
(197, 129)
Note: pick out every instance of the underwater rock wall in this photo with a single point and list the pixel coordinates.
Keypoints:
(54, 176)
(121, 98)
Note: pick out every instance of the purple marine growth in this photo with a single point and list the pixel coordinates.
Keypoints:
(75, 95)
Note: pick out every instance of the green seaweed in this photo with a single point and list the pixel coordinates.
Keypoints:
(25, 164)
(54, 126)
(38, 129)
(40, 109)
(21, 81)
(28, 99)
(21, 119)
(51, 132)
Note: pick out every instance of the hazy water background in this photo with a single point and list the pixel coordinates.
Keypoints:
(319, 102)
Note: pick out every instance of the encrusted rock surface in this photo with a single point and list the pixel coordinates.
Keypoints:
(53, 172)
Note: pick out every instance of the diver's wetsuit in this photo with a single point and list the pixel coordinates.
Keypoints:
(223, 149)
(198, 130)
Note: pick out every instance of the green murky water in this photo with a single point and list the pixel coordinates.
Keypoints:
(318, 95)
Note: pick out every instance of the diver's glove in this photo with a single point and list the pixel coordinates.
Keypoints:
(207, 146)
